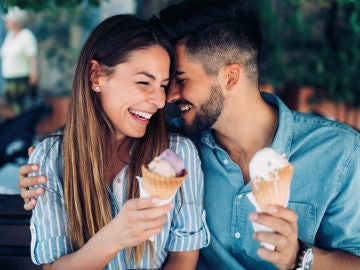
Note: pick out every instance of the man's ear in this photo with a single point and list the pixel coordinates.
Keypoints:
(95, 73)
(231, 75)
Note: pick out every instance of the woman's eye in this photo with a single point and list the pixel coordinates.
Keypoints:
(142, 83)
(164, 86)
(180, 80)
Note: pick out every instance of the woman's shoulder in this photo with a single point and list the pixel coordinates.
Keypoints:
(183, 146)
(49, 144)
(178, 140)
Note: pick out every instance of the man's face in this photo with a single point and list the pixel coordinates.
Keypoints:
(198, 95)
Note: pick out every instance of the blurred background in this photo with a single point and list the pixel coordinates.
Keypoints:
(310, 56)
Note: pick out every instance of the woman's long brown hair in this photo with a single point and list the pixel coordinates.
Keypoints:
(88, 130)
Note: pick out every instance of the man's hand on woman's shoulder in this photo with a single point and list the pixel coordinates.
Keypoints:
(26, 181)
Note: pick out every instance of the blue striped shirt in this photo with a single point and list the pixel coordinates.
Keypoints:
(184, 230)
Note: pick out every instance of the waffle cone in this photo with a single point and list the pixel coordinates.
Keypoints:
(160, 186)
(276, 191)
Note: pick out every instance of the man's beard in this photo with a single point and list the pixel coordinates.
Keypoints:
(209, 113)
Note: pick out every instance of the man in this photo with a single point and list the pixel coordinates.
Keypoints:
(217, 44)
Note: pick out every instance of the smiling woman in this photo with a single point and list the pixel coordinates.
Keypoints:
(115, 123)
(134, 91)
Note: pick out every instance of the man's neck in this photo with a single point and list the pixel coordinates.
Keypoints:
(245, 131)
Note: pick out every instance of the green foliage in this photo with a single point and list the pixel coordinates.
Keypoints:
(40, 5)
(313, 42)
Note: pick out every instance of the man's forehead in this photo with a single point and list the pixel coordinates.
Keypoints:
(185, 64)
(181, 53)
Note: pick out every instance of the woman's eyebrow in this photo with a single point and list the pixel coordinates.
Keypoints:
(147, 74)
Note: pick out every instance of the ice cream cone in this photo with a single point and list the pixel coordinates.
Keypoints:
(275, 190)
(160, 186)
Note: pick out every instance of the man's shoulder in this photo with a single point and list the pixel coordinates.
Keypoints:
(313, 122)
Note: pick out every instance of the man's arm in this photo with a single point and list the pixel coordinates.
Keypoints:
(285, 240)
(181, 260)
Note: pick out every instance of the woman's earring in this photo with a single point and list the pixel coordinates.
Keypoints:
(97, 88)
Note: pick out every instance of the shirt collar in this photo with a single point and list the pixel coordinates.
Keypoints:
(284, 133)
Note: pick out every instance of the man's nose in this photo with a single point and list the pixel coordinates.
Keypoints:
(173, 93)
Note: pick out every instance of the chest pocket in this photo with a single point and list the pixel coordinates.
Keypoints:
(307, 225)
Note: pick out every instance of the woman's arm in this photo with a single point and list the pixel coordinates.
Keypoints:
(181, 260)
(137, 221)
(33, 78)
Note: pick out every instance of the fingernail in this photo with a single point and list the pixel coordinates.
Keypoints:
(155, 200)
(41, 179)
(272, 209)
(38, 191)
(34, 167)
(254, 216)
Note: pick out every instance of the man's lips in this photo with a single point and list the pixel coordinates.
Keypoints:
(184, 107)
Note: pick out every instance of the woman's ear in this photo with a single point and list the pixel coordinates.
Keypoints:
(95, 73)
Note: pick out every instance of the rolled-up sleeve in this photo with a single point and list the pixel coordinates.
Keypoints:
(188, 230)
(48, 223)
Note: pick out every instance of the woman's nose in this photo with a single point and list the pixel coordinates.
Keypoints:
(158, 98)
(173, 93)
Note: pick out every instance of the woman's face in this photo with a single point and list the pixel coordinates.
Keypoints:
(11, 25)
(136, 90)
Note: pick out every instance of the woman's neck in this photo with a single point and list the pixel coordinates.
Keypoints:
(118, 156)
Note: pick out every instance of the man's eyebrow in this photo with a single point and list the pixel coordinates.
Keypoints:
(179, 73)
(150, 75)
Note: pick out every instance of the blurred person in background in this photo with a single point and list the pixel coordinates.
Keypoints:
(19, 60)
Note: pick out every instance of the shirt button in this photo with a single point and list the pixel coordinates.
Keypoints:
(240, 196)
(225, 161)
(237, 235)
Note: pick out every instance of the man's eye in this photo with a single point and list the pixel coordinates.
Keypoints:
(180, 80)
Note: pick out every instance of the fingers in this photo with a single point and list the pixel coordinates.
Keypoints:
(282, 212)
(279, 241)
(27, 194)
(284, 237)
(145, 203)
(30, 204)
(281, 259)
(154, 225)
(141, 218)
(24, 170)
(280, 219)
(25, 182)
(30, 150)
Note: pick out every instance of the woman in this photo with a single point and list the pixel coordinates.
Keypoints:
(19, 60)
(115, 124)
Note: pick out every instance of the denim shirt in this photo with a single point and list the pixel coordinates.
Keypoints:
(324, 191)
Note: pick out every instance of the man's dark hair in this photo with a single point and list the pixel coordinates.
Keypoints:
(215, 33)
